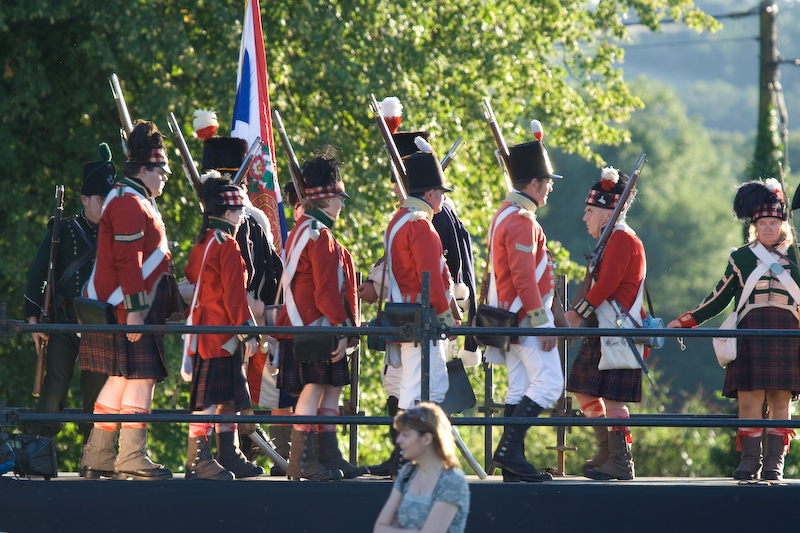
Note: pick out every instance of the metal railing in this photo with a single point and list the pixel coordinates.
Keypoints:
(423, 330)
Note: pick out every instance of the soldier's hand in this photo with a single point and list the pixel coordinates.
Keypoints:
(674, 324)
(341, 350)
(573, 318)
(250, 347)
(548, 343)
(135, 319)
(39, 338)
(366, 291)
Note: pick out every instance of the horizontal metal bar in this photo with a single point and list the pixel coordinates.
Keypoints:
(637, 421)
(18, 326)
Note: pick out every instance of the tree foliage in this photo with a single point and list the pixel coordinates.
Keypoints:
(553, 60)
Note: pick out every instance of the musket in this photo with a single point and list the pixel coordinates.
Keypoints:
(457, 146)
(390, 147)
(122, 109)
(791, 214)
(248, 160)
(46, 317)
(502, 148)
(294, 167)
(188, 163)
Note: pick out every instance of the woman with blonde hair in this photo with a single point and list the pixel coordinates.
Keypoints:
(430, 492)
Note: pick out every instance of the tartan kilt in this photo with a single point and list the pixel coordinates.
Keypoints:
(114, 355)
(293, 375)
(219, 380)
(622, 385)
(764, 363)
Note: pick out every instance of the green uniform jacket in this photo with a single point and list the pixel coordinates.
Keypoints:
(741, 263)
(78, 243)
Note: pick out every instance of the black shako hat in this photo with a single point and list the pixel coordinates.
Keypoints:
(99, 176)
(423, 169)
(224, 154)
(529, 161)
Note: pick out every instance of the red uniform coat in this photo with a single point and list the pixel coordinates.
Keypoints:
(131, 231)
(222, 300)
(519, 247)
(417, 248)
(316, 287)
(619, 273)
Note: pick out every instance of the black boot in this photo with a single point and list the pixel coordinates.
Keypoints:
(508, 476)
(329, 455)
(302, 462)
(620, 461)
(280, 436)
(200, 464)
(249, 448)
(231, 457)
(751, 458)
(601, 436)
(509, 454)
(392, 465)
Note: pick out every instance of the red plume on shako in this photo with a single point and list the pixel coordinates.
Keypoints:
(205, 123)
(392, 111)
(536, 128)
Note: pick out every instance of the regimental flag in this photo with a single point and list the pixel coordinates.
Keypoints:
(252, 118)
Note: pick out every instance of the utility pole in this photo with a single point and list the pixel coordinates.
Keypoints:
(770, 147)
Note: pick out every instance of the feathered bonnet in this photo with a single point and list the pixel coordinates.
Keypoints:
(607, 192)
(759, 199)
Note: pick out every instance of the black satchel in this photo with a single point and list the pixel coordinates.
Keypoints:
(494, 317)
(395, 315)
(314, 348)
(94, 311)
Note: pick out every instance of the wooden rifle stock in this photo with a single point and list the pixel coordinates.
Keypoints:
(122, 109)
(186, 156)
(46, 316)
(616, 215)
(390, 146)
(294, 167)
(248, 160)
(499, 141)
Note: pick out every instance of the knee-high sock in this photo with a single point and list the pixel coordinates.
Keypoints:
(100, 409)
(132, 410)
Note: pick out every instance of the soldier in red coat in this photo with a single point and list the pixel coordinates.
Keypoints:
(131, 271)
(618, 282)
(218, 272)
(413, 247)
(523, 282)
(319, 290)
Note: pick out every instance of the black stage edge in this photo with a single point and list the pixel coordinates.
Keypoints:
(68, 503)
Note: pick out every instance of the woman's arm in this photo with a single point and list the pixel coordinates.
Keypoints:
(387, 520)
(440, 517)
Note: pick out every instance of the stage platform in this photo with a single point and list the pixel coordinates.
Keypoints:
(68, 503)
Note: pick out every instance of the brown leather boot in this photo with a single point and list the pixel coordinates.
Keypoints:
(620, 461)
(201, 465)
(773, 458)
(231, 457)
(602, 455)
(132, 461)
(303, 463)
(751, 458)
(329, 455)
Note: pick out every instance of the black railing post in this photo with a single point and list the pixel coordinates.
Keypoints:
(425, 335)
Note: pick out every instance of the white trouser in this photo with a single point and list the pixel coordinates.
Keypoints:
(534, 373)
(392, 377)
(411, 380)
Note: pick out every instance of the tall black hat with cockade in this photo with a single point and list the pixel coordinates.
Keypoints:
(529, 161)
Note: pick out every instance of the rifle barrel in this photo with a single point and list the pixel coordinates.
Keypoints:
(389, 145)
(119, 99)
(502, 148)
(186, 156)
(294, 167)
(248, 160)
